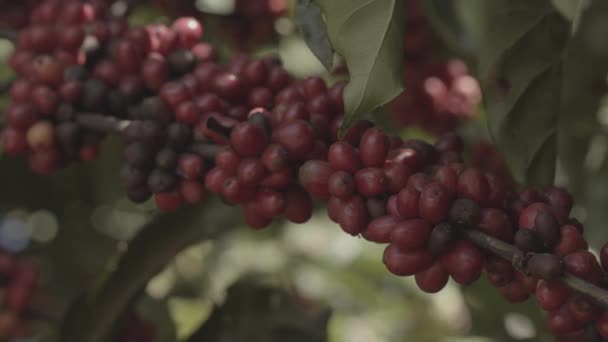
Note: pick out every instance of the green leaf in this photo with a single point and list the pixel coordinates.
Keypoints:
(368, 34)
(94, 317)
(585, 70)
(520, 71)
(310, 21)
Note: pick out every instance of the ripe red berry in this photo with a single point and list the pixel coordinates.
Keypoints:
(187, 113)
(191, 166)
(472, 184)
(527, 218)
(464, 262)
(379, 230)
(189, 31)
(253, 217)
(433, 279)
(214, 179)
(407, 202)
(371, 181)
(496, 223)
(410, 235)
(401, 263)
(434, 203)
(374, 147)
(571, 241)
(314, 176)
(270, 203)
(250, 171)
(583, 264)
(341, 184)
(298, 205)
(396, 176)
(248, 140)
(343, 156)
(352, 215)
(296, 137)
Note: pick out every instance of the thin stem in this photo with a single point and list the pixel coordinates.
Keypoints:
(101, 123)
(513, 254)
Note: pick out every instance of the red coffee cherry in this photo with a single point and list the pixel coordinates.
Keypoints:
(433, 279)
(464, 262)
(373, 147)
(298, 205)
(379, 230)
(343, 156)
(410, 235)
(472, 184)
(401, 263)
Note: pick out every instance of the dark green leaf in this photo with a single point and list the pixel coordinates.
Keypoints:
(310, 21)
(94, 316)
(585, 70)
(369, 35)
(520, 69)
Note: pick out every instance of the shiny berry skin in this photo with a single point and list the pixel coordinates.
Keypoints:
(527, 218)
(343, 156)
(401, 263)
(271, 203)
(379, 229)
(214, 179)
(191, 166)
(275, 158)
(189, 31)
(314, 176)
(410, 235)
(248, 140)
(407, 202)
(473, 185)
(154, 72)
(433, 279)
(561, 321)
(373, 147)
(396, 176)
(298, 205)
(250, 171)
(352, 216)
(496, 223)
(583, 264)
(464, 262)
(441, 238)
(370, 181)
(434, 203)
(571, 241)
(297, 137)
(341, 184)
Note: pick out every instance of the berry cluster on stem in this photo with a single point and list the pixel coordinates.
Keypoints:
(255, 136)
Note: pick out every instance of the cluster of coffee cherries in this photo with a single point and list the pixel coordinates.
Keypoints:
(136, 329)
(440, 95)
(256, 137)
(52, 56)
(421, 199)
(19, 280)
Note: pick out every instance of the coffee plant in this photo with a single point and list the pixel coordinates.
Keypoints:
(136, 137)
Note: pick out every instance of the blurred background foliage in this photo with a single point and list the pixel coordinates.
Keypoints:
(290, 282)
